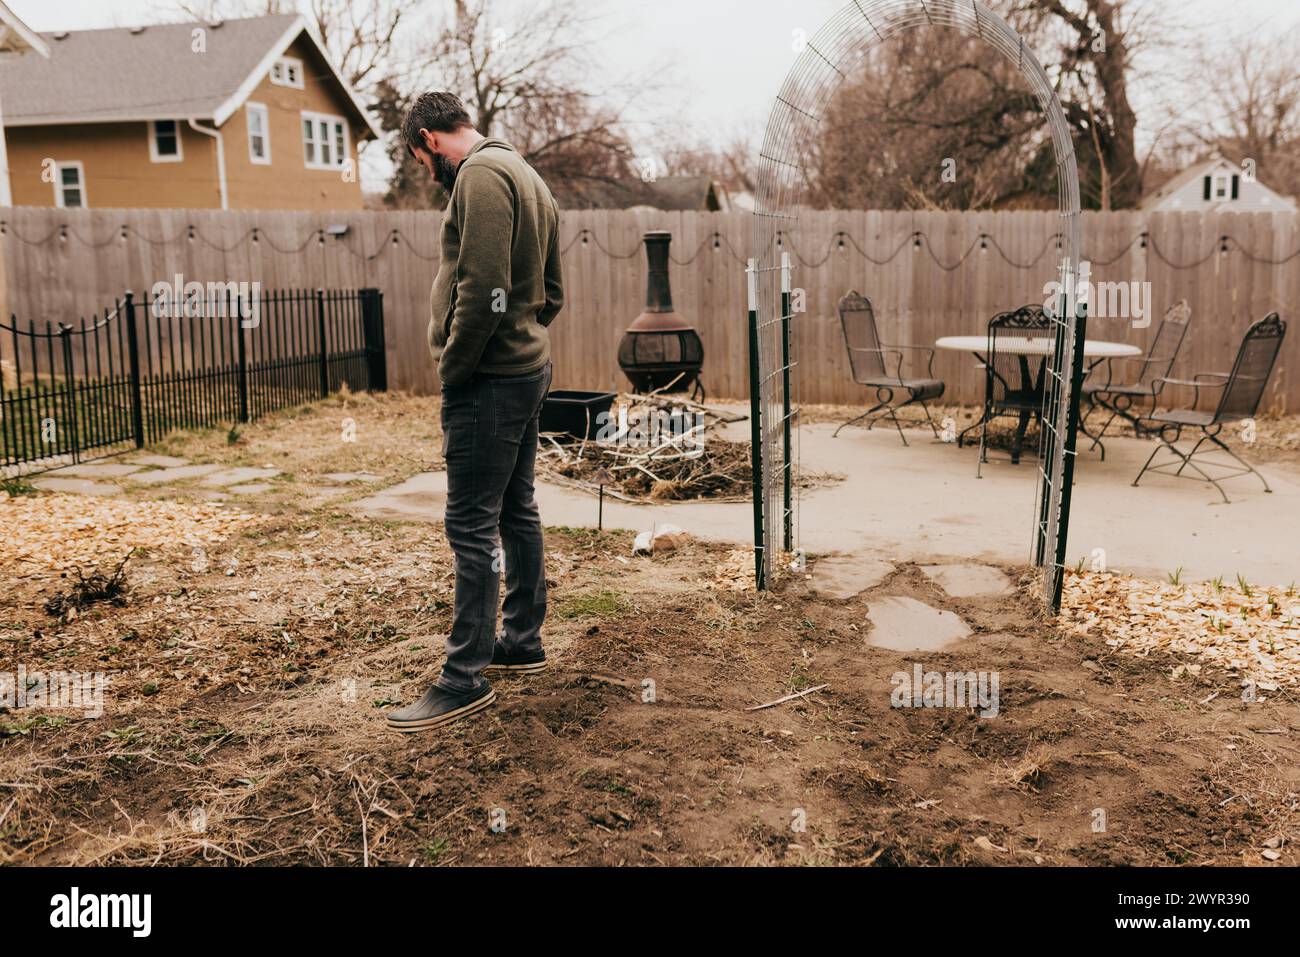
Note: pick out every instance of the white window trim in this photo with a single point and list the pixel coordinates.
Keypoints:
(59, 166)
(249, 109)
(330, 118)
(1222, 181)
(294, 62)
(154, 155)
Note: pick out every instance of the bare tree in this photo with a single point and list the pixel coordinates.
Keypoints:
(935, 119)
(522, 82)
(1250, 91)
(732, 164)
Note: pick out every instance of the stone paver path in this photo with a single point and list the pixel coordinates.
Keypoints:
(238, 476)
(178, 473)
(76, 486)
(95, 470)
(157, 461)
(905, 624)
(253, 488)
(969, 581)
(846, 576)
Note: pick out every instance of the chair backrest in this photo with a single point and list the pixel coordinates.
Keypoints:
(1005, 370)
(1171, 332)
(1249, 376)
(858, 320)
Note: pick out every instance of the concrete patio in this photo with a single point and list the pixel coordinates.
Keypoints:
(923, 503)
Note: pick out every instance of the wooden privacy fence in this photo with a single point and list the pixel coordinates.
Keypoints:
(929, 274)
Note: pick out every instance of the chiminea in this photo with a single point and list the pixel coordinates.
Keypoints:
(660, 346)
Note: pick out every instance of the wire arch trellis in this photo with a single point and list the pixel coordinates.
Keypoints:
(823, 64)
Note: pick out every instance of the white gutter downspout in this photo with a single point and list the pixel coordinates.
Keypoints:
(221, 156)
(6, 195)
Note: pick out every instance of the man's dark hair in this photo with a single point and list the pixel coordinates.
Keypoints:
(437, 112)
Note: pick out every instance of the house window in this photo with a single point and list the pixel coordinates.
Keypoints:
(287, 71)
(165, 141)
(69, 185)
(259, 134)
(324, 141)
(1221, 186)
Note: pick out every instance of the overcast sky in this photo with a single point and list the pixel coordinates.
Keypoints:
(716, 63)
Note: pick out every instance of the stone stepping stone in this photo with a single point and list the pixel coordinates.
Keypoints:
(158, 461)
(97, 470)
(253, 488)
(77, 486)
(238, 476)
(422, 498)
(343, 478)
(905, 624)
(968, 580)
(178, 474)
(845, 576)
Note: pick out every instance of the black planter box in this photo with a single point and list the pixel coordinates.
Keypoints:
(575, 413)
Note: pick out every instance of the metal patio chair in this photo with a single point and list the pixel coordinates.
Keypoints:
(1122, 398)
(1012, 384)
(880, 367)
(1243, 388)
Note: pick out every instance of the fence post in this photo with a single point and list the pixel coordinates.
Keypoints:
(788, 499)
(756, 430)
(372, 326)
(70, 388)
(324, 352)
(133, 356)
(242, 351)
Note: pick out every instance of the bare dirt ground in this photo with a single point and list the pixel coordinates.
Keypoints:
(244, 715)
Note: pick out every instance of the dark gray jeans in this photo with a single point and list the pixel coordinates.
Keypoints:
(489, 428)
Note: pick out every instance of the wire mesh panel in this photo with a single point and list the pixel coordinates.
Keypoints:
(792, 130)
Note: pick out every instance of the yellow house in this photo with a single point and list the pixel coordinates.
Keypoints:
(240, 114)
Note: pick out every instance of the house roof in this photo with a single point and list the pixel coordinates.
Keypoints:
(18, 37)
(667, 193)
(150, 73)
(1196, 171)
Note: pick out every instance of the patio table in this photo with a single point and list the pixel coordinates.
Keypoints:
(1095, 350)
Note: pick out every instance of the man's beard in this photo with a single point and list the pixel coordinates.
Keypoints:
(444, 171)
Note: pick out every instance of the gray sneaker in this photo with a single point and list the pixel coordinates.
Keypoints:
(439, 707)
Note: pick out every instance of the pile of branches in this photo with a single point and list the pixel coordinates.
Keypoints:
(673, 466)
(719, 470)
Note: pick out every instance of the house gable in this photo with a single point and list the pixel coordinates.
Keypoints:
(121, 161)
(1216, 185)
(286, 181)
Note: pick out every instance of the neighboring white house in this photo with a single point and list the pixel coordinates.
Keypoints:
(1216, 185)
(16, 38)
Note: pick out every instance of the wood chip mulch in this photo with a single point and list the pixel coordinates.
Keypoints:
(1252, 631)
(58, 532)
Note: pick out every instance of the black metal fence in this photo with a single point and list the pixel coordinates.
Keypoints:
(193, 357)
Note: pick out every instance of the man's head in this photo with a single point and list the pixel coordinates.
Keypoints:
(439, 134)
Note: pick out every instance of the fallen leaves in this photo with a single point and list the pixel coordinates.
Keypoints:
(59, 532)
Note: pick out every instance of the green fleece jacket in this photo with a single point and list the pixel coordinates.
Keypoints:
(499, 284)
